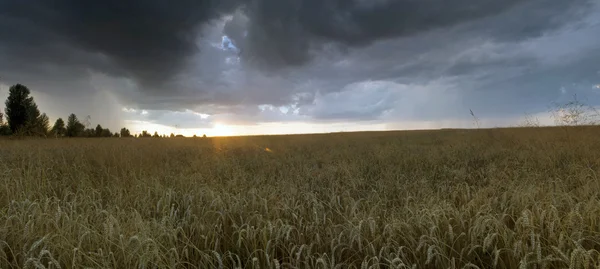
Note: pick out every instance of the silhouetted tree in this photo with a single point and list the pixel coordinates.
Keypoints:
(125, 132)
(145, 134)
(89, 132)
(156, 135)
(59, 128)
(172, 135)
(204, 135)
(37, 124)
(106, 133)
(74, 127)
(116, 135)
(195, 136)
(98, 132)
(41, 125)
(20, 107)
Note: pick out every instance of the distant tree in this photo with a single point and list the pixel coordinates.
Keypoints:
(98, 132)
(37, 124)
(136, 135)
(1, 118)
(204, 135)
(42, 125)
(172, 135)
(179, 135)
(145, 134)
(20, 107)
(89, 132)
(59, 128)
(116, 135)
(195, 136)
(125, 132)
(156, 135)
(74, 127)
(107, 133)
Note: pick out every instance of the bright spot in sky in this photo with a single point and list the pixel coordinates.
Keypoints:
(221, 130)
(201, 115)
(597, 86)
(227, 44)
(265, 107)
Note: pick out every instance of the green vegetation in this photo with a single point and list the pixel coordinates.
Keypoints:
(23, 118)
(489, 198)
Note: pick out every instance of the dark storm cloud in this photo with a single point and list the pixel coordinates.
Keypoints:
(147, 40)
(152, 40)
(281, 33)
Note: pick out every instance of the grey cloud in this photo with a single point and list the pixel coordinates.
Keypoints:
(184, 119)
(147, 40)
(151, 41)
(292, 32)
(360, 101)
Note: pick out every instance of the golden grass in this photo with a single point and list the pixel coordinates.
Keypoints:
(502, 198)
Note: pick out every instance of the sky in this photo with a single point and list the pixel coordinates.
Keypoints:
(237, 67)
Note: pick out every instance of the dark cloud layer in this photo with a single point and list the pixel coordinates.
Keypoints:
(148, 40)
(151, 40)
(275, 33)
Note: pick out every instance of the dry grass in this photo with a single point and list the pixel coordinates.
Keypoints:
(505, 198)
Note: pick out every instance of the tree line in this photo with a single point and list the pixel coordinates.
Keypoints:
(22, 117)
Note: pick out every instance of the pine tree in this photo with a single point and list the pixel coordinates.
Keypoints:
(74, 127)
(59, 128)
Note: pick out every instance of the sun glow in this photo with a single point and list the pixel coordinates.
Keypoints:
(222, 130)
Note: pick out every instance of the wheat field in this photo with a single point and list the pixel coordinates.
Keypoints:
(489, 198)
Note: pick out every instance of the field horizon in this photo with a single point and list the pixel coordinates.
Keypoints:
(396, 131)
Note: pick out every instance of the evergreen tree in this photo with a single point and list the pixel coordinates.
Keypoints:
(20, 108)
(74, 127)
(59, 128)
